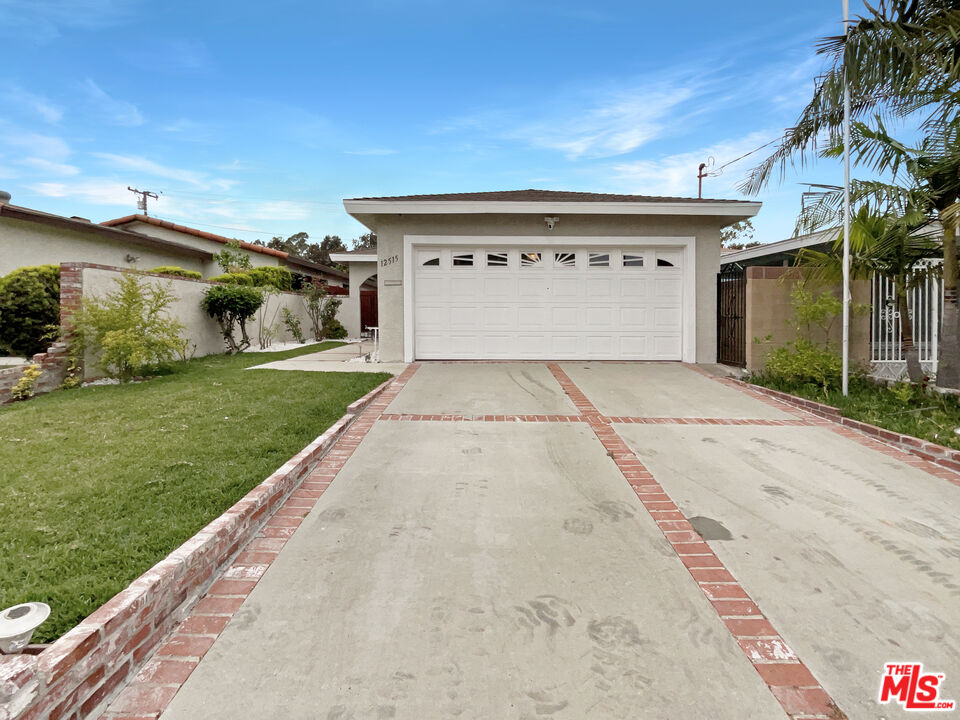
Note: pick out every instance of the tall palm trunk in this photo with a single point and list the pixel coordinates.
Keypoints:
(948, 365)
(910, 351)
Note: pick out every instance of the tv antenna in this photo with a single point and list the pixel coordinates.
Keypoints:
(142, 196)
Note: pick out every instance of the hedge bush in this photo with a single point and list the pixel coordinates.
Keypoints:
(237, 278)
(29, 309)
(278, 277)
(177, 271)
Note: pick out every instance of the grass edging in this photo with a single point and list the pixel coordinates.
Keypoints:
(81, 670)
(924, 449)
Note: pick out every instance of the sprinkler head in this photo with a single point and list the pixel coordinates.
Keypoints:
(17, 624)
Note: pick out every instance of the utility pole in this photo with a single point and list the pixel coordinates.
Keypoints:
(845, 381)
(142, 198)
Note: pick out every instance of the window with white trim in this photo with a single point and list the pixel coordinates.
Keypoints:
(531, 259)
(497, 259)
(463, 259)
(597, 260)
(632, 260)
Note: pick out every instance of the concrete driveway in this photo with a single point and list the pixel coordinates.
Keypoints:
(593, 540)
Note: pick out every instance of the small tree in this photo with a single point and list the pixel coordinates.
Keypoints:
(232, 258)
(738, 236)
(231, 306)
(322, 311)
(128, 328)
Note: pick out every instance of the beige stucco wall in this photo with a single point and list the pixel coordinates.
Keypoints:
(392, 228)
(27, 243)
(769, 312)
(200, 329)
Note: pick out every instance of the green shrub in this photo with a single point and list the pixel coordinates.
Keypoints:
(178, 271)
(335, 331)
(803, 362)
(293, 325)
(24, 388)
(237, 278)
(231, 306)
(271, 275)
(29, 309)
(128, 328)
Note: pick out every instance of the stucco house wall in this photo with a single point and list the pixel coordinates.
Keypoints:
(391, 230)
(27, 243)
(211, 246)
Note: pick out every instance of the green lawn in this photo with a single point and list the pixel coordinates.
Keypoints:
(903, 409)
(98, 484)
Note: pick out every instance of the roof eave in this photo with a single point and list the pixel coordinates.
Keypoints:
(736, 208)
(353, 257)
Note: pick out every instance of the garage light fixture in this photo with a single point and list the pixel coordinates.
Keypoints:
(17, 624)
(551, 221)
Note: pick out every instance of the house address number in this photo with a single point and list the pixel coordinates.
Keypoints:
(390, 260)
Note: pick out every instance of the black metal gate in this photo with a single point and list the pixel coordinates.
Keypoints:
(731, 316)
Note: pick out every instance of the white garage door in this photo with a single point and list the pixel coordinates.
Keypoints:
(548, 303)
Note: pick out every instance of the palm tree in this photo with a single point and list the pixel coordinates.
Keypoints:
(889, 246)
(901, 62)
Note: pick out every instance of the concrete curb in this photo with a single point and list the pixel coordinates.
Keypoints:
(79, 673)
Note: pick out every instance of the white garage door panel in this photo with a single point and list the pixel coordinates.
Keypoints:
(557, 306)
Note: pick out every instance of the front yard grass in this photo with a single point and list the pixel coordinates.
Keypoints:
(100, 483)
(900, 408)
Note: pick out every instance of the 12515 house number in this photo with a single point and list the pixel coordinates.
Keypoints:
(390, 260)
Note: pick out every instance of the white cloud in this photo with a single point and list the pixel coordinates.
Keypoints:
(48, 147)
(117, 112)
(614, 126)
(677, 174)
(43, 20)
(51, 168)
(150, 169)
(96, 191)
(33, 103)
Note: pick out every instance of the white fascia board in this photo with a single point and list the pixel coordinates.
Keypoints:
(353, 257)
(448, 207)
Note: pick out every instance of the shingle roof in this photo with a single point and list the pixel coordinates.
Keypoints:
(546, 196)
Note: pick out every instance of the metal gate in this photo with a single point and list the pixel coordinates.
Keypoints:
(732, 316)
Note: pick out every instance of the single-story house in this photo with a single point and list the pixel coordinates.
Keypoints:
(33, 237)
(542, 274)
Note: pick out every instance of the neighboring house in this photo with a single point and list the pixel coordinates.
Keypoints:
(539, 274)
(259, 254)
(757, 306)
(32, 237)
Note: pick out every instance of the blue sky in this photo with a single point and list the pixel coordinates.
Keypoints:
(257, 119)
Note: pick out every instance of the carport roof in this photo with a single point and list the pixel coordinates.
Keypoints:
(549, 201)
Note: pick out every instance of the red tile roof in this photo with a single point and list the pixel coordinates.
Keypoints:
(193, 231)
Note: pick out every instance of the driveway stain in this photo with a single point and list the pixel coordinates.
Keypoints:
(578, 526)
(710, 529)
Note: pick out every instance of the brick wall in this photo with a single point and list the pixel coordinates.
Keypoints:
(76, 676)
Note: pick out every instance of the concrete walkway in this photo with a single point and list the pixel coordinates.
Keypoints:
(339, 359)
(583, 540)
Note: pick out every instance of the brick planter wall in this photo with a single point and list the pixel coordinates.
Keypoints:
(76, 675)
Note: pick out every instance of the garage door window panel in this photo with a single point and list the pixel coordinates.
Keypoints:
(531, 259)
(463, 260)
(599, 260)
(498, 259)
